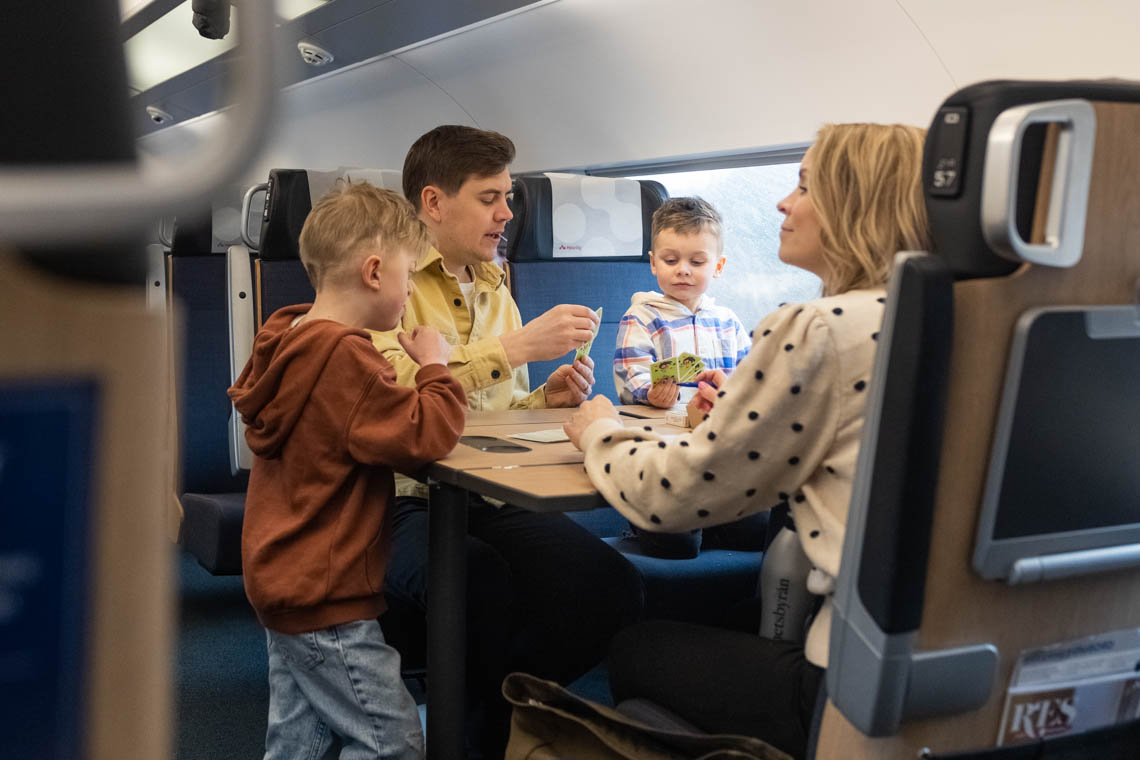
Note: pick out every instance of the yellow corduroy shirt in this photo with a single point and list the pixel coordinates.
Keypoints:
(478, 359)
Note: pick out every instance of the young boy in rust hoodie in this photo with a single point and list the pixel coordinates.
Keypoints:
(328, 424)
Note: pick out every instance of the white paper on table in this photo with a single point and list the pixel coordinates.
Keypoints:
(553, 435)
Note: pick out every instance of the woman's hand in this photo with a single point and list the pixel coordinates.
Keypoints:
(596, 408)
(709, 384)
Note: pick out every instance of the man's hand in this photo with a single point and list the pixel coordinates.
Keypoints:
(594, 409)
(709, 384)
(550, 335)
(664, 394)
(570, 384)
(425, 346)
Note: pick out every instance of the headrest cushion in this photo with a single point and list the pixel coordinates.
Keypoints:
(957, 140)
(572, 216)
(291, 195)
(594, 217)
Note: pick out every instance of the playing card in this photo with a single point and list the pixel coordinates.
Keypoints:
(666, 369)
(688, 367)
(584, 349)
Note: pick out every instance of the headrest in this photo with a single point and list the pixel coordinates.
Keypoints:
(193, 236)
(214, 229)
(572, 216)
(955, 171)
(291, 195)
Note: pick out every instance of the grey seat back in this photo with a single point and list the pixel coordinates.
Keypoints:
(923, 646)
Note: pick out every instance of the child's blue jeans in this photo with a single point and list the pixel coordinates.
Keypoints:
(341, 682)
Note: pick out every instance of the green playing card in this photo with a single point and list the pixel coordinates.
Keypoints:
(666, 369)
(688, 367)
(584, 349)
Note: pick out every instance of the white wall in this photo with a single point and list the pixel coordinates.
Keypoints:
(588, 82)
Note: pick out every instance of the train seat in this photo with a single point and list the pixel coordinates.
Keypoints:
(579, 239)
(987, 520)
(212, 490)
(584, 240)
(280, 278)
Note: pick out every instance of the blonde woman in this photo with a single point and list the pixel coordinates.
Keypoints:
(785, 427)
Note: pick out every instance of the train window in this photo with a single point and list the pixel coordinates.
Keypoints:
(755, 281)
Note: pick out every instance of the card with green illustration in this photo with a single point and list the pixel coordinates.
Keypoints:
(666, 369)
(679, 369)
(584, 349)
(688, 367)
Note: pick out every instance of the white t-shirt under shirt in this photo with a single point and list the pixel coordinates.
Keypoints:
(468, 290)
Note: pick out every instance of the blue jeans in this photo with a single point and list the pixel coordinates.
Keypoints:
(341, 682)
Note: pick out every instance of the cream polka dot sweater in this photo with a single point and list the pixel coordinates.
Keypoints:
(786, 427)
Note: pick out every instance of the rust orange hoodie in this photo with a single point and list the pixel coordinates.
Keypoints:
(328, 424)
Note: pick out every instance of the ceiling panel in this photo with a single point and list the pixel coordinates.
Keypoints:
(352, 30)
(369, 118)
(1032, 39)
(593, 81)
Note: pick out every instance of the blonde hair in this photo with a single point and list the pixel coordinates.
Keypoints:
(349, 216)
(865, 185)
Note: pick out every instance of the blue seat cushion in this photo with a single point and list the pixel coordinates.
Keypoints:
(602, 522)
(199, 282)
(211, 530)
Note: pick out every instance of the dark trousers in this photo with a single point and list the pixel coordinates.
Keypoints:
(544, 596)
(746, 535)
(719, 680)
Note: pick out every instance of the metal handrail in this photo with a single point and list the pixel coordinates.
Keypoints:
(246, 204)
(166, 232)
(76, 203)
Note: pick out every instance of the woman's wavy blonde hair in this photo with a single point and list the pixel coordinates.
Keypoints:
(865, 184)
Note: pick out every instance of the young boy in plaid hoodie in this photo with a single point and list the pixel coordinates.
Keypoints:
(687, 255)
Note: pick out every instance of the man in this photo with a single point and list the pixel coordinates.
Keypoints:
(544, 595)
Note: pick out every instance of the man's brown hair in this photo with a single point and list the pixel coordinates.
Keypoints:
(448, 155)
(687, 216)
(349, 216)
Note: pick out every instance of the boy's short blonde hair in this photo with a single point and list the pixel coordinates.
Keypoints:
(349, 216)
(687, 216)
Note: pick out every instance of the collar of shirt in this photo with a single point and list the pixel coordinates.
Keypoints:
(488, 276)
